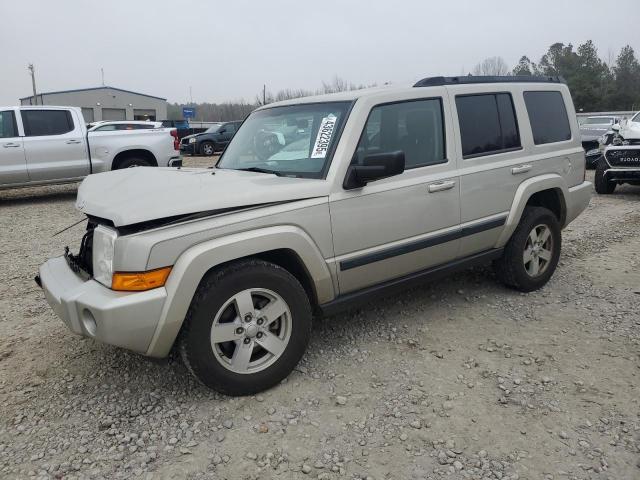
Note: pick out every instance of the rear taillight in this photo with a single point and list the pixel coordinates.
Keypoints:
(176, 140)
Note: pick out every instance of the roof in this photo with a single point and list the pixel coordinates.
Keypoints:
(106, 87)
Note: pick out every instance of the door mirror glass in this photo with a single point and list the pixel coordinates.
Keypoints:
(374, 167)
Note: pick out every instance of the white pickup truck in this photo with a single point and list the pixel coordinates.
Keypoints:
(46, 144)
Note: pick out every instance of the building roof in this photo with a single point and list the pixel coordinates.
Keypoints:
(106, 87)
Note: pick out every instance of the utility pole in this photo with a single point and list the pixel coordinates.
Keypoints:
(264, 94)
(102, 74)
(32, 71)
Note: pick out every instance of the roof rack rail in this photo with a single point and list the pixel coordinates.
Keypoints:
(470, 79)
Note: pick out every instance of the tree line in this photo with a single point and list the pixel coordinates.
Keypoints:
(595, 84)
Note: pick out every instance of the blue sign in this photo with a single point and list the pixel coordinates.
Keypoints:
(188, 112)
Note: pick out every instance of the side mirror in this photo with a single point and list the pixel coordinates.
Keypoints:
(222, 130)
(374, 167)
(615, 128)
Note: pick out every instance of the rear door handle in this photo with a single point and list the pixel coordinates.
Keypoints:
(11, 145)
(520, 169)
(441, 186)
(73, 142)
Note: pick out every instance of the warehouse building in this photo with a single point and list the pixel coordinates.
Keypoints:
(105, 103)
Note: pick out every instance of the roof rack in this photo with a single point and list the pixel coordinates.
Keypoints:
(470, 79)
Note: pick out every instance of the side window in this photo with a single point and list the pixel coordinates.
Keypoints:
(488, 124)
(415, 127)
(106, 128)
(46, 122)
(229, 128)
(548, 117)
(8, 125)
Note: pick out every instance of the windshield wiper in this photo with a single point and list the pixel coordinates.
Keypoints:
(260, 170)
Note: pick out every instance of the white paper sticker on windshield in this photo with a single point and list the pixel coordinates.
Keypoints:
(324, 136)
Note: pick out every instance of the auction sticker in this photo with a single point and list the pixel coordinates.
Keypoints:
(323, 139)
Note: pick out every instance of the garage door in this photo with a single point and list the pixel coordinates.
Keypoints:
(144, 114)
(114, 114)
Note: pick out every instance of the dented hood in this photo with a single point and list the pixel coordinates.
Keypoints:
(142, 194)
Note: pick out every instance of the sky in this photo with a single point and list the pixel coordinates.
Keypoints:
(226, 51)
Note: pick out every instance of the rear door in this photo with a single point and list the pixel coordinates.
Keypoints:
(13, 166)
(54, 145)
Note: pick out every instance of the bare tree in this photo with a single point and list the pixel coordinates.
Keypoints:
(492, 66)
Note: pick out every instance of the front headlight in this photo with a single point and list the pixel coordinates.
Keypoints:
(104, 240)
(192, 140)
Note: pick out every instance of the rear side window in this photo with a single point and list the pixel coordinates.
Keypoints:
(415, 127)
(46, 122)
(548, 117)
(8, 125)
(488, 124)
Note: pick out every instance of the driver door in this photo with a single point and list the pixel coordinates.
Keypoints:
(406, 223)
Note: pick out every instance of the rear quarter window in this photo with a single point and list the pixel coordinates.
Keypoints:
(548, 117)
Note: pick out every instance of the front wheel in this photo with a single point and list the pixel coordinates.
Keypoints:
(602, 185)
(532, 253)
(247, 327)
(207, 148)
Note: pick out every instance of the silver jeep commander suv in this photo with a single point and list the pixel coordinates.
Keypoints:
(318, 203)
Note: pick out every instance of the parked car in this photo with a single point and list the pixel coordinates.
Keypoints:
(375, 190)
(109, 126)
(593, 128)
(44, 144)
(213, 140)
(620, 162)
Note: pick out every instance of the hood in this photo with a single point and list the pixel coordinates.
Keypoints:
(591, 132)
(192, 135)
(142, 194)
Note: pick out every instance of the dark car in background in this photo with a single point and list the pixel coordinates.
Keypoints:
(213, 140)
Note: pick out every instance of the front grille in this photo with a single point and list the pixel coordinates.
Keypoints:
(624, 158)
(184, 141)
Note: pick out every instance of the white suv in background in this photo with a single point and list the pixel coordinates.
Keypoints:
(373, 190)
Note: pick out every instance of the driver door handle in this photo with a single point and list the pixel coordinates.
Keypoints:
(441, 186)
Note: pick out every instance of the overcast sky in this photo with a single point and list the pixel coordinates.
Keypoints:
(227, 50)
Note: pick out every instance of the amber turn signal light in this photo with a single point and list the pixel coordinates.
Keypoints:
(139, 281)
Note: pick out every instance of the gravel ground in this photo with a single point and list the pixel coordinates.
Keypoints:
(460, 379)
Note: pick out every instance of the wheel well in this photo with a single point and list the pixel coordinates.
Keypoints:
(138, 153)
(551, 199)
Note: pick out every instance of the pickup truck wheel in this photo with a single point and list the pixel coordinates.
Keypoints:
(603, 186)
(531, 255)
(207, 148)
(247, 327)
(133, 162)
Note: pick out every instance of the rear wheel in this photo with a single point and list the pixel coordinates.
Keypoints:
(207, 148)
(603, 186)
(247, 327)
(532, 253)
(133, 162)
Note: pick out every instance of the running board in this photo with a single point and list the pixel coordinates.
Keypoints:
(381, 290)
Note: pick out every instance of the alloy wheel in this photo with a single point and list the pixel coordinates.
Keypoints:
(538, 250)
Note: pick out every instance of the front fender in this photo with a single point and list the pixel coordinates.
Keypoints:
(524, 192)
(195, 262)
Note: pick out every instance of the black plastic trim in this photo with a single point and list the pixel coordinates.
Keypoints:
(466, 80)
(421, 244)
(350, 300)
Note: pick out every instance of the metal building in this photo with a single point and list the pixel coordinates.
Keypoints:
(105, 103)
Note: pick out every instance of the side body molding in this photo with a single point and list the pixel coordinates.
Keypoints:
(524, 192)
(194, 263)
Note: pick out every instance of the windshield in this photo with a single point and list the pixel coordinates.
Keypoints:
(212, 129)
(599, 121)
(296, 140)
(636, 118)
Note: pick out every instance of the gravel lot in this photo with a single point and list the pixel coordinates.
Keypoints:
(460, 379)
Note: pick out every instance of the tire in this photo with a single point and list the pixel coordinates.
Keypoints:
(207, 148)
(603, 186)
(239, 366)
(513, 269)
(133, 162)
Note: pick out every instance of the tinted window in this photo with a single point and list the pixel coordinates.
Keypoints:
(548, 117)
(487, 124)
(415, 127)
(46, 122)
(229, 128)
(8, 125)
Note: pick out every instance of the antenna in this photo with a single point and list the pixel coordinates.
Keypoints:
(32, 72)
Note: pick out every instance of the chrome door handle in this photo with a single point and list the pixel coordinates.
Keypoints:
(441, 186)
(11, 145)
(73, 142)
(520, 169)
